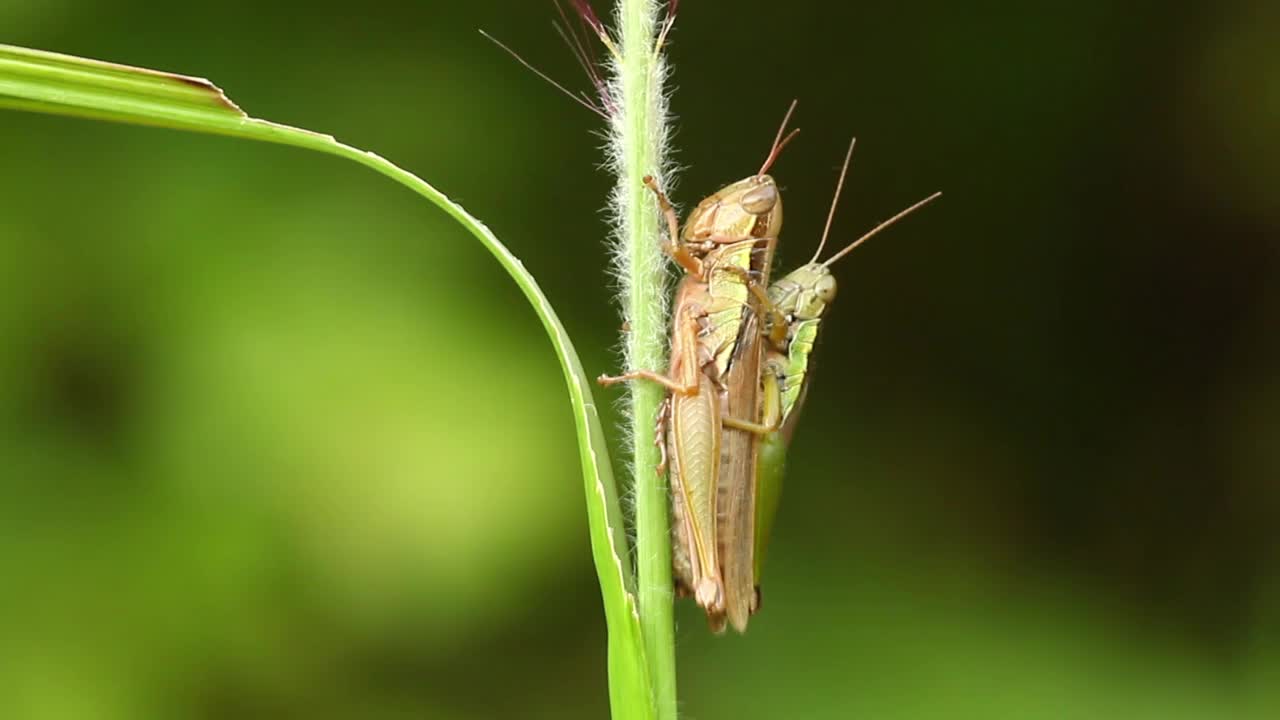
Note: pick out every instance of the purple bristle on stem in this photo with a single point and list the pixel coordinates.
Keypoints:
(589, 16)
(581, 50)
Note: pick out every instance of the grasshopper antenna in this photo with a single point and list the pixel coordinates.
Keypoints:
(880, 227)
(835, 200)
(779, 141)
(576, 98)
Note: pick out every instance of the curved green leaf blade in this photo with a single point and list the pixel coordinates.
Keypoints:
(39, 81)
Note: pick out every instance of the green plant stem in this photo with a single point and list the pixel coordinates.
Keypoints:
(642, 135)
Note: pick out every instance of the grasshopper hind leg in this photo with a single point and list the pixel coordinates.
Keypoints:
(683, 558)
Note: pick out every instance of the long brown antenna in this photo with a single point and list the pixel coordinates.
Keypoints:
(835, 200)
(880, 227)
(779, 142)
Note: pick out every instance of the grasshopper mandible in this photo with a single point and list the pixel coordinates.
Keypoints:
(799, 298)
(727, 241)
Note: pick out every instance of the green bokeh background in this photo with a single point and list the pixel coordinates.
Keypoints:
(279, 440)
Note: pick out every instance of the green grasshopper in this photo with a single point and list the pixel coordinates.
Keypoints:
(768, 380)
(729, 236)
(799, 299)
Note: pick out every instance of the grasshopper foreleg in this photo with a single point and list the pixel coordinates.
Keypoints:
(771, 422)
(691, 263)
(755, 428)
(775, 321)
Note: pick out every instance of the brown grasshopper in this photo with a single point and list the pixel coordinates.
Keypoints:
(727, 243)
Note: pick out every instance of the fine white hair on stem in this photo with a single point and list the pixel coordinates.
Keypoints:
(637, 259)
(640, 271)
(638, 137)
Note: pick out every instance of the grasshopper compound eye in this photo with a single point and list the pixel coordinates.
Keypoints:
(760, 200)
(825, 288)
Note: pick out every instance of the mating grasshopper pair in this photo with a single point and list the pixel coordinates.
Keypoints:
(739, 368)
(737, 377)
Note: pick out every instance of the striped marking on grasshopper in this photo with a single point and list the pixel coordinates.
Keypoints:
(800, 297)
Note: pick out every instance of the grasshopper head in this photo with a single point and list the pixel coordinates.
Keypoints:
(805, 292)
(749, 208)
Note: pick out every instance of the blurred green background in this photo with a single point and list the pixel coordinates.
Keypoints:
(279, 440)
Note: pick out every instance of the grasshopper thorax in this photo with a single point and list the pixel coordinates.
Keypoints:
(749, 208)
